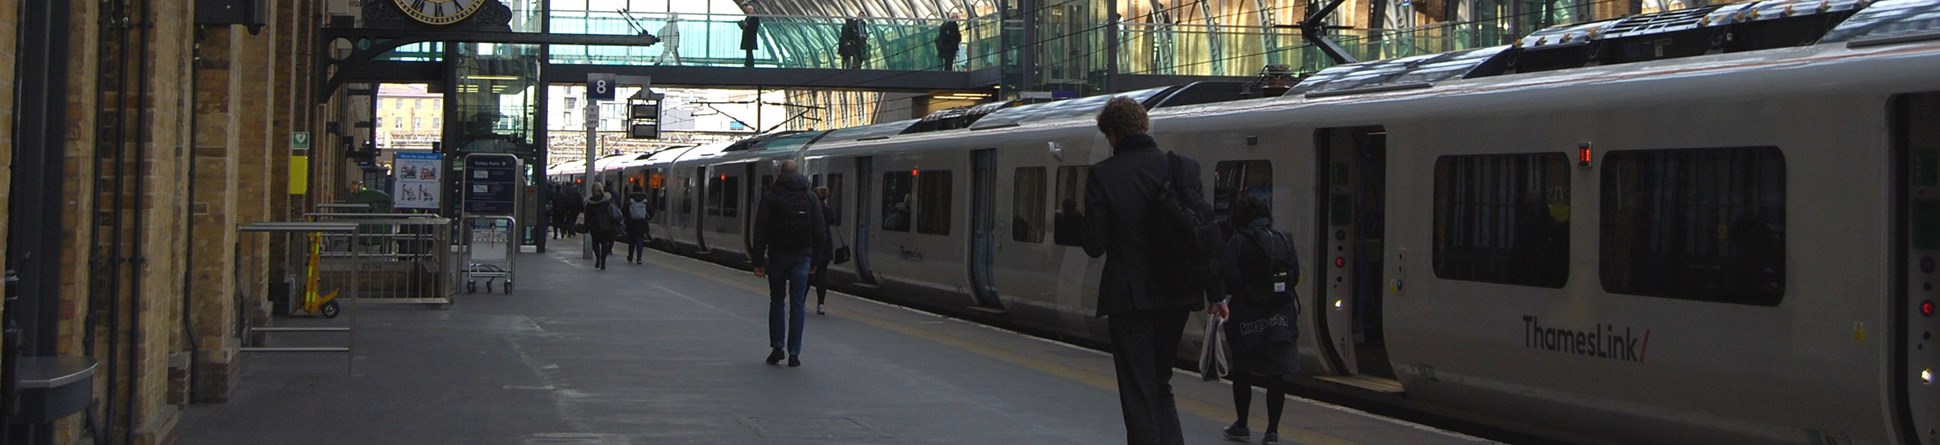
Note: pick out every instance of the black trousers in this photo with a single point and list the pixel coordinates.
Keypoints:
(637, 244)
(1144, 345)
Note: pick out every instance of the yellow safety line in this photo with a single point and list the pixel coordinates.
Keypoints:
(1208, 411)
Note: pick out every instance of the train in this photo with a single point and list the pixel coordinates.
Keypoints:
(1712, 225)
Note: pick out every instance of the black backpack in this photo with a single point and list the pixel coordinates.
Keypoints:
(1272, 270)
(791, 222)
(1187, 234)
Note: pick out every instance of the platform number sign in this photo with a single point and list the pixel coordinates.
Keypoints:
(601, 86)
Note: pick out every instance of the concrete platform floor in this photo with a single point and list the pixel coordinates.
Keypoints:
(670, 352)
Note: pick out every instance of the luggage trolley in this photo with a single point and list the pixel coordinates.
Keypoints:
(490, 248)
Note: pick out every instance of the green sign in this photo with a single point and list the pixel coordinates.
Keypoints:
(299, 140)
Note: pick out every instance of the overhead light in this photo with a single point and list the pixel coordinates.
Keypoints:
(491, 77)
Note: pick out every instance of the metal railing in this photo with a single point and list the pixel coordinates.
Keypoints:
(405, 258)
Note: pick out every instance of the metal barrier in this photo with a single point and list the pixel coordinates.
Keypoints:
(315, 295)
(490, 248)
(404, 260)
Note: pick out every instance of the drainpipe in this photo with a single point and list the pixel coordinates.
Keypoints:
(188, 215)
(138, 257)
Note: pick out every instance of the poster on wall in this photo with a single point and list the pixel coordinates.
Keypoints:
(417, 178)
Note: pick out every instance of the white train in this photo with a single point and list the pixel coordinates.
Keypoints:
(1716, 225)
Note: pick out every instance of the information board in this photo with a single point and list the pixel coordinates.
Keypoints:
(491, 184)
(418, 178)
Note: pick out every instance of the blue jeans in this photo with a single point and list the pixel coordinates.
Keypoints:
(787, 276)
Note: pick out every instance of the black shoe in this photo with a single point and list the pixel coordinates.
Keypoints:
(1272, 437)
(794, 361)
(1240, 433)
(775, 357)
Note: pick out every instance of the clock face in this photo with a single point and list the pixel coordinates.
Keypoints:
(439, 12)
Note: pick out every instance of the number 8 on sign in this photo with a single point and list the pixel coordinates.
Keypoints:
(600, 86)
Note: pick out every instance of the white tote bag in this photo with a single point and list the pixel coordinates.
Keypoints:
(1212, 351)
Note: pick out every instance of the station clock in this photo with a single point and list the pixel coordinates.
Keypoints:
(439, 12)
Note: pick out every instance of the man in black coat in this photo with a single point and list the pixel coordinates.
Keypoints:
(1145, 322)
(790, 239)
(948, 38)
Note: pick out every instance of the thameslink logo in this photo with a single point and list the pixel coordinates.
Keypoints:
(1602, 341)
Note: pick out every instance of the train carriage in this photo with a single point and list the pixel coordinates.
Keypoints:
(1606, 233)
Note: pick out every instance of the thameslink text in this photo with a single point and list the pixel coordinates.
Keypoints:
(1602, 341)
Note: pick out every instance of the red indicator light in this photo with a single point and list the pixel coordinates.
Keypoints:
(1584, 154)
(912, 172)
(1340, 262)
(1926, 308)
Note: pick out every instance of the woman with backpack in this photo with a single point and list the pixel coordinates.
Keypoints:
(603, 221)
(1260, 272)
(638, 209)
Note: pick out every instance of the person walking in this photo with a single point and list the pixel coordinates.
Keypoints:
(790, 238)
(602, 222)
(820, 279)
(575, 203)
(1144, 321)
(669, 41)
(1260, 269)
(638, 210)
(948, 38)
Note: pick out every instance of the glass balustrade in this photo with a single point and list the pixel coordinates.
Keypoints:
(782, 41)
(1184, 49)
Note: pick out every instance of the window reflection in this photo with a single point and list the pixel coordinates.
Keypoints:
(1695, 224)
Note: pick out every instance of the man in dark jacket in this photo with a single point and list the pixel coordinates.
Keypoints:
(947, 39)
(853, 43)
(790, 239)
(638, 209)
(600, 221)
(1145, 322)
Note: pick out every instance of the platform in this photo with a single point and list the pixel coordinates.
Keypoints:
(671, 352)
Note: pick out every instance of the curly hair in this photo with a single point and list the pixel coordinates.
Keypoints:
(1122, 117)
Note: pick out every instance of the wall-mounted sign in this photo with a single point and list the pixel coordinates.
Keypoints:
(418, 176)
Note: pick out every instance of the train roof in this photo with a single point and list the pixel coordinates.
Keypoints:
(1064, 109)
(1727, 28)
(785, 140)
(867, 132)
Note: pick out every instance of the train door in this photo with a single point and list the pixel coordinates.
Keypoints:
(1352, 217)
(983, 221)
(1916, 124)
(864, 219)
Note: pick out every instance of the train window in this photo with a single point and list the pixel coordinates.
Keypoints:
(731, 197)
(1695, 224)
(1503, 219)
(1230, 178)
(715, 184)
(1069, 218)
(834, 184)
(1027, 206)
(933, 202)
(896, 197)
(686, 195)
